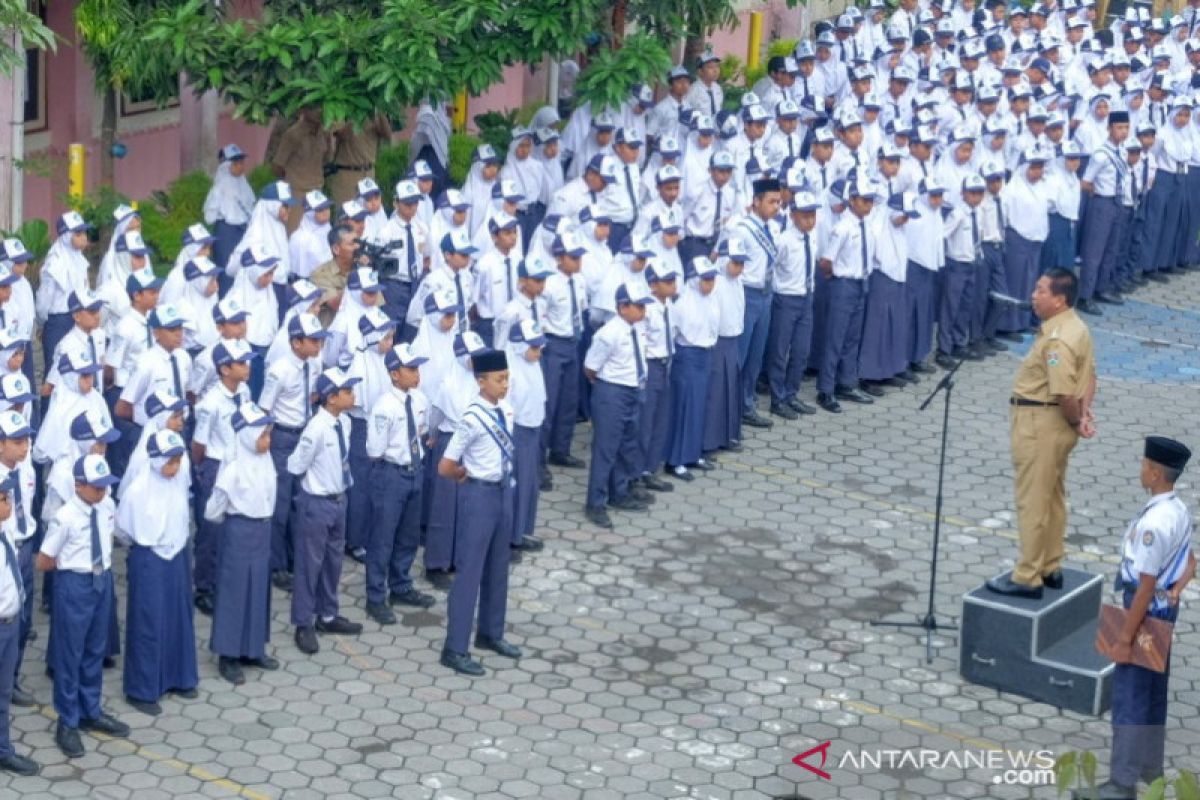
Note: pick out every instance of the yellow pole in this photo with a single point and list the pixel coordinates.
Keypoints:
(75, 170)
(460, 112)
(755, 46)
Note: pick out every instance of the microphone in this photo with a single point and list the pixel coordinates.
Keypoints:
(1012, 302)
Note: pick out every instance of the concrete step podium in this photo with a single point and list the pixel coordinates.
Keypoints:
(1040, 649)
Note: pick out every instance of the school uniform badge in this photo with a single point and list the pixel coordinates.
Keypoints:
(1148, 538)
(1052, 358)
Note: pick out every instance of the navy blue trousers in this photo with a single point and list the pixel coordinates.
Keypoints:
(1139, 716)
(843, 334)
(655, 423)
(920, 286)
(1101, 242)
(242, 609)
(26, 551)
(207, 543)
(160, 637)
(788, 343)
(441, 498)
(118, 453)
(79, 639)
(395, 529)
(752, 344)
(283, 443)
(1022, 259)
(560, 369)
(358, 512)
(320, 544)
(954, 309)
(226, 238)
(615, 411)
(482, 570)
(10, 635)
(527, 463)
(989, 278)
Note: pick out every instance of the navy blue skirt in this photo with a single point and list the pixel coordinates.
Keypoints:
(1059, 248)
(723, 416)
(885, 347)
(160, 638)
(242, 604)
(1022, 258)
(689, 400)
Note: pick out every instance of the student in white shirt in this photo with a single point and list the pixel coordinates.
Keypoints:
(1026, 214)
(565, 298)
(723, 411)
(527, 394)
(20, 531)
(86, 335)
(308, 247)
(12, 591)
(926, 258)
(64, 270)
(883, 355)
(696, 319)
(964, 265)
(496, 279)
(709, 205)
(654, 425)
(228, 205)
(793, 286)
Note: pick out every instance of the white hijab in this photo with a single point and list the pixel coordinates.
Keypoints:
(265, 229)
(108, 263)
(309, 246)
(528, 173)
(478, 192)
(245, 483)
(438, 346)
(138, 456)
(67, 266)
(197, 308)
(54, 440)
(173, 286)
(552, 173)
(230, 199)
(154, 511)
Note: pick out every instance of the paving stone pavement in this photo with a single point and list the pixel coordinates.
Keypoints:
(695, 649)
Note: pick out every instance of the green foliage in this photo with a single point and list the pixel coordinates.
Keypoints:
(731, 70)
(35, 235)
(1075, 770)
(496, 128)
(111, 33)
(168, 213)
(390, 165)
(96, 207)
(1185, 786)
(259, 177)
(16, 16)
(781, 47)
(462, 147)
(610, 76)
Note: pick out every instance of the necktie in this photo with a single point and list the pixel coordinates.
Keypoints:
(978, 250)
(175, 375)
(712, 102)
(306, 394)
(806, 92)
(10, 554)
(791, 147)
(824, 178)
(97, 552)
(716, 228)
(508, 276)
(505, 468)
(575, 326)
(149, 336)
(342, 452)
(1133, 186)
(629, 188)
(410, 245)
(19, 507)
(639, 364)
(592, 195)
(862, 227)
(414, 442)
(667, 326)
(458, 290)
(533, 310)
(808, 274)
(1116, 156)
(1000, 216)
(91, 343)
(4, 319)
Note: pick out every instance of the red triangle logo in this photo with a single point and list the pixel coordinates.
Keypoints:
(823, 749)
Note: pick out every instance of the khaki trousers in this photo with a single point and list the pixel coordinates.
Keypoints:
(1041, 443)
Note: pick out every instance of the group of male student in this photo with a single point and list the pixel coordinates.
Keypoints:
(295, 397)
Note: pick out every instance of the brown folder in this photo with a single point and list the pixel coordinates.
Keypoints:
(1151, 644)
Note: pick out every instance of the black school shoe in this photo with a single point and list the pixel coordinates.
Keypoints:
(381, 613)
(68, 740)
(462, 663)
(19, 765)
(829, 403)
(105, 723)
(499, 646)
(339, 625)
(656, 484)
(413, 598)
(439, 578)
(306, 640)
(231, 670)
(204, 603)
(149, 709)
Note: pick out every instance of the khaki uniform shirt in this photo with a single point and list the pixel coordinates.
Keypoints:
(1061, 361)
(353, 151)
(303, 151)
(332, 282)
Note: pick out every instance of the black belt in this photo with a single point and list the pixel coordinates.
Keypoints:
(1022, 401)
(660, 361)
(10, 620)
(288, 429)
(407, 469)
(353, 167)
(556, 338)
(482, 482)
(334, 497)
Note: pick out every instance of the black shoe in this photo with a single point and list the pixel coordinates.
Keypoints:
(1109, 298)
(68, 741)
(358, 554)
(704, 465)
(853, 395)
(186, 694)
(656, 484)
(1089, 307)
(22, 698)
(944, 360)
(1008, 586)
(628, 503)
(976, 352)
(910, 376)
(339, 625)
(19, 765)
(871, 387)
(231, 670)
(1157, 277)
(829, 403)
(109, 662)
(1054, 580)
(266, 663)
(546, 483)
(529, 544)
(204, 603)
(306, 640)
(412, 598)
(566, 460)
(105, 723)
(800, 407)
(762, 386)
(784, 410)
(1139, 279)
(895, 382)
(498, 646)
(439, 578)
(681, 472)
(598, 517)
(734, 446)
(381, 613)
(462, 663)
(997, 345)
(1106, 791)
(282, 580)
(754, 420)
(921, 368)
(33, 635)
(641, 495)
(149, 709)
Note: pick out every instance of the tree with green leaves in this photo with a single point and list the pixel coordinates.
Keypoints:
(20, 30)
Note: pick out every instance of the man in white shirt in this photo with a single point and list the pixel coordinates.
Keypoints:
(792, 308)
(565, 299)
(706, 95)
(402, 267)
(496, 280)
(964, 265)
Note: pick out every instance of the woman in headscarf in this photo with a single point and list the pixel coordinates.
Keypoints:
(477, 189)
(697, 320)
(12, 353)
(451, 216)
(130, 254)
(1092, 132)
(545, 117)
(65, 270)
(546, 149)
(268, 231)
(528, 173)
(164, 411)
(228, 206)
(304, 297)
(197, 242)
(160, 637)
(127, 219)
(1061, 187)
(255, 288)
(431, 141)
(598, 140)
(1172, 152)
(345, 338)
(309, 246)
(196, 305)
(883, 353)
(74, 393)
(242, 502)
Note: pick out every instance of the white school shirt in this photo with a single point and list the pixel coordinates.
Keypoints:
(926, 237)
(69, 535)
(460, 284)
(612, 355)
(557, 296)
(131, 339)
(795, 268)
(991, 228)
(574, 195)
(696, 319)
(496, 282)
(76, 341)
(656, 339)
(1157, 543)
(701, 220)
(473, 445)
(1026, 209)
(318, 460)
(759, 237)
(622, 201)
(706, 99)
(214, 419)
(731, 304)
(782, 146)
(387, 426)
(520, 308)
(526, 387)
(154, 372)
(845, 248)
(959, 234)
(1107, 171)
(286, 395)
(396, 230)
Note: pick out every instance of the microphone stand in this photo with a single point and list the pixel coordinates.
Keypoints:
(929, 622)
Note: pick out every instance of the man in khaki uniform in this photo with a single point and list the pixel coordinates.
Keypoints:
(354, 156)
(300, 158)
(331, 276)
(1050, 408)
